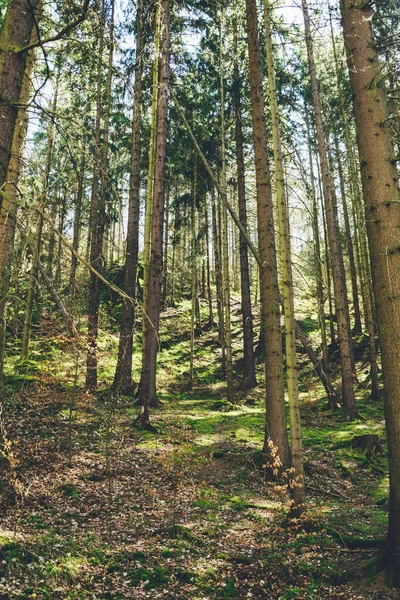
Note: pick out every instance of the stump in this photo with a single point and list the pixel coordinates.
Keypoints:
(369, 444)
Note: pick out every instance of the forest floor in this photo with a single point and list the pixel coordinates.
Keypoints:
(93, 507)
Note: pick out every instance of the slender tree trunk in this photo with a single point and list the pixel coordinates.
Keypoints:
(209, 291)
(382, 207)
(338, 272)
(193, 274)
(61, 218)
(276, 432)
(296, 447)
(317, 255)
(98, 203)
(26, 334)
(152, 307)
(15, 34)
(166, 249)
(123, 374)
(8, 210)
(218, 278)
(224, 237)
(96, 235)
(249, 370)
(77, 224)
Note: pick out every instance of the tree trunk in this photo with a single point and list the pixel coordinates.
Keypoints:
(77, 224)
(338, 272)
(123, 374)
(98, 201)
(317, 254)
(152, 306)
(382, 207)
(224, 236)
(15, 34)
(193, 274)
(249, 371)
(26, 334)
(8, 210)
(296, 447)
(276, 432)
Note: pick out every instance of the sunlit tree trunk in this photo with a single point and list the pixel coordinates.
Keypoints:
(96, 220)
(15, 34)
(382, 206)
(276, 432)
(249, 371)
(8, 210)
(224, 241)
(77, 223)
(123, 374)
(338, 272)
(32, 285)
(147, 393)
(296, 448)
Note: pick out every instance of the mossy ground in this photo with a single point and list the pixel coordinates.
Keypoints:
(96, 508)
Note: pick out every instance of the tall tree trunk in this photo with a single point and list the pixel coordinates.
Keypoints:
(317, 253)
(166, 249)
(224, 235)
(249, 370)
(123, 374)
(359, 231)
(338, 272)
(61, 218)
(382, 207)
(218, 277)
(15, 34)
(350, 249)
(152, 306)
(77, 223)
(209, 291)
(8, 210)
(296, 447)
(26, 334)
(98, 200)
(276, 432)
(193, 274)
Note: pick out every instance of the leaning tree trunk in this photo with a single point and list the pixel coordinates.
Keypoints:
(123, 374)
(148, 393)
(15, 34)
(382, 207)
(338, 272)
(296, 447)
(249, 370)
(276, 432)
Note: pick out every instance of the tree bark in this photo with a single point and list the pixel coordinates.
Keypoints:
(296, 446)
(98, 200)
(15, 34)
(8, 210)
(123, 374)
(224, 236)
(249, 371)
(32, 285)
(338, 272)
(276, 431)
(148, 394)
(382, 206)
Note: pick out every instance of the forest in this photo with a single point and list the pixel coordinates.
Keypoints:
(199, 299)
